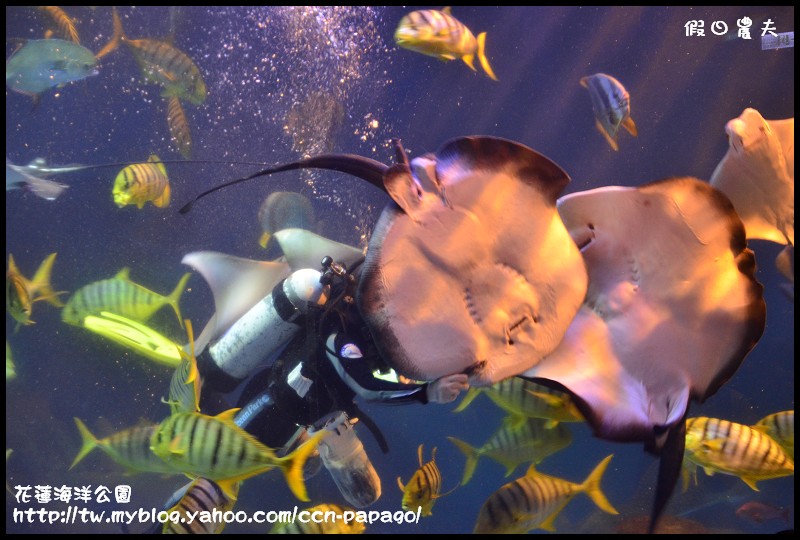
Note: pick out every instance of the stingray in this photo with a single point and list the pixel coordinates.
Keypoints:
(469, 269)
(757, 175)
(672, 309)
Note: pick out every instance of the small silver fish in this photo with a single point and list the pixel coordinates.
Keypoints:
(612, 106)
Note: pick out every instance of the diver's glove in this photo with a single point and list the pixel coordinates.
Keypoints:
(446, 389)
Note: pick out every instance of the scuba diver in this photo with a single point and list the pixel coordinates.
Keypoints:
(320, 357)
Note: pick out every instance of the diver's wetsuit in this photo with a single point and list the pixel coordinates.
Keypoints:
(272, 407)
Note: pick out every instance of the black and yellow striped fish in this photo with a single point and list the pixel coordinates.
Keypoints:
(424, 487)
(214, 447)
(21, 293)
(64, 23)
(512, 446)
(439, 34)
(142, 182)
(202, 495)
(130, 448)
(121, 296)
(184, 386)
(179, 127)
(522, 399)
(535, 500)
(328, 520)
(779, 426)
(730, 448)
(162, 64)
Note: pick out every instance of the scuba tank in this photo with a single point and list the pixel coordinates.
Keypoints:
(269, 325)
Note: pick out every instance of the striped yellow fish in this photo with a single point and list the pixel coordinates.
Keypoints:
(121, 296)
(535, 500)
(184, 386)
(21, 293)
(424, 487)
(136, 336)
(511, 446)
(323, 519)
(130, 448)
(64, 23)
(526, 399)
(179, 127)
(162, 64)
(735, 449)
(142, 182)
(202, 495)
(439, 34)
(214, 447)
(779, 426)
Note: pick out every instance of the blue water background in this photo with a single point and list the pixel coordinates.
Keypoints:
(256, 63)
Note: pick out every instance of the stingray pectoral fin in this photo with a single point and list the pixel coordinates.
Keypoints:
(403, 189)
(669, 470)
(305, 249)
(236, 283)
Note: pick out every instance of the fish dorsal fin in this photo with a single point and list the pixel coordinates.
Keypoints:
(446, 10)
(155, 160)
(227, 416)
(531, 470)
(433, 455)
(419, 455)
(125, 274)
(585, 82)
(400, 485)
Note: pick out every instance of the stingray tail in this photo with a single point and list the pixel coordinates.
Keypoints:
(669, 469)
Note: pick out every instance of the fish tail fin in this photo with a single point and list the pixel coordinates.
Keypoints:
(482, 56)
(469, 59)
(472, 393)
(292, 465)
(264, 240)
(175, 296)
(163, 200)
(629, 125)
(116, 38)
(89, 442)
(592, 487)
(41, 283)
(472, 456)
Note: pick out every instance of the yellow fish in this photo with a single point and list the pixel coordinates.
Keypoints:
(162, 64)
(526, 399)
(179, 127)
(21, 292)
(439, 34)
(423, 488)
(214, 447)
(202, 495)
(735, 449)
(142, 182)
(511, 446)
(779, 426)
(535, 500)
